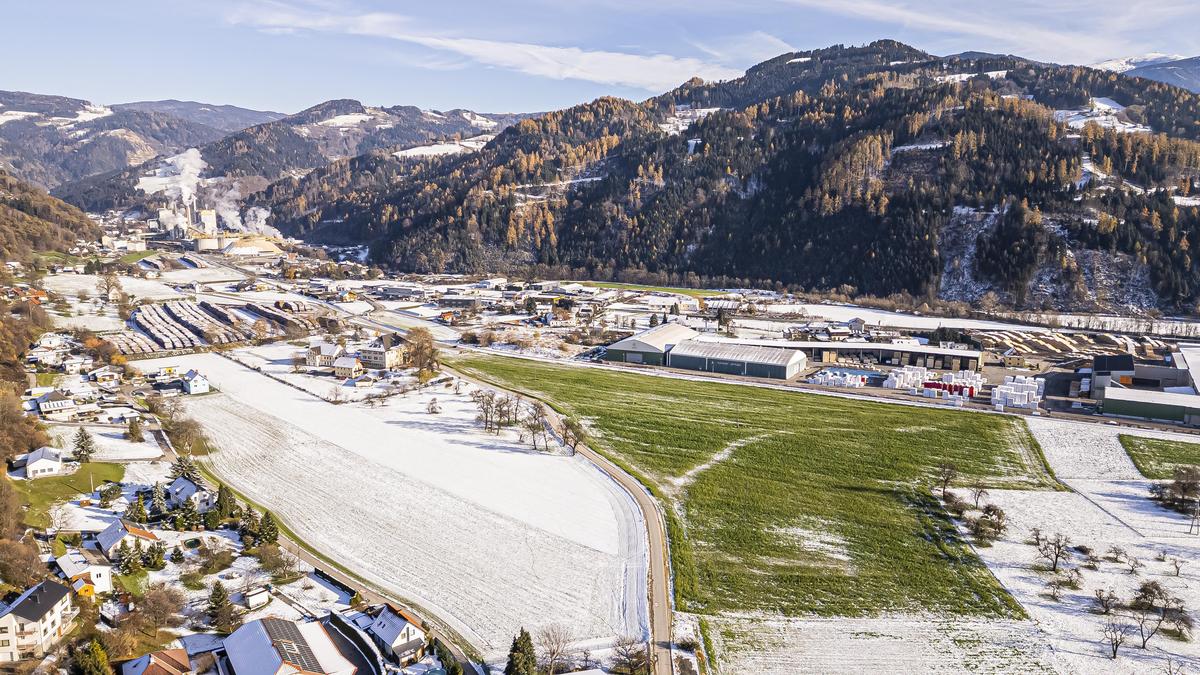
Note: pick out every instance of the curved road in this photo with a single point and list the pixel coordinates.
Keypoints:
(659, 570)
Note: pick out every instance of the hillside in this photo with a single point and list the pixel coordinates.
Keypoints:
(245, 162)
(50, 140)
(227, 118)
(1180, 73)
(31, 220)
(835, 167)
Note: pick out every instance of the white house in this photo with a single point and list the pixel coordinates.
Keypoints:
(45, 461)
(56, 406)
(87, 572)
(181, 490)
(347, 366)
(195, 383)
(75, 364)
(397, 635)
(110, 538)
(35, 621)
(323, 355)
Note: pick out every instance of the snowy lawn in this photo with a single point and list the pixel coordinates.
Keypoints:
(72, 284)
(276, 359)
(1109, 508)
(479, 530)
(111, 444)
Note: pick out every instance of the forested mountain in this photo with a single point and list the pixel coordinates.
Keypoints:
(50, 140)
(841, 166)
(31, 220)
(227, 118)
(292, 146)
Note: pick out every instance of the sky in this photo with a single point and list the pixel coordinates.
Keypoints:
(518, 55)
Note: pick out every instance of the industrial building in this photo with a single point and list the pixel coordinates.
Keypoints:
(735, 359)
(1148, 391)
(650, 347)
(1152, 405)
(883, 353)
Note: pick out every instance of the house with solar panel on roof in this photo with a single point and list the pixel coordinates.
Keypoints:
(275, 646)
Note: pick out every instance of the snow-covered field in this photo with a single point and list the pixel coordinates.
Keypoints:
(479, 530)
(276, 359)
(885, 318)
(98, 318)
(473, 144)
(1110, 506)
(202, 275)
(888, 644)
(1104, 112)
(111, 444)
(72, 284)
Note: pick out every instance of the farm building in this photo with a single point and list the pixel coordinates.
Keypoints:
(650, 347)
(44, 461)
(885, 353)
(735, 359)
(1154, 405)
(347, 366)
(195, 383)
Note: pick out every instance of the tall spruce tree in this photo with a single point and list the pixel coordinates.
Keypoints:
(136, 511)
(134, 431)
(158, 499)
(185, 466)
(522, 657)
(268, 529)
(84, 446)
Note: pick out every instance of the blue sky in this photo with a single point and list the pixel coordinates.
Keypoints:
(517, 55)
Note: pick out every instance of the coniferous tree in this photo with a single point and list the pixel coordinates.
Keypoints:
(522, 657)
(158, 499)
(185, 466)
(136, 511)
(84, 446)
(226, 504)
(177, 555)
(134, 432)
(92, 659)
(268, 529)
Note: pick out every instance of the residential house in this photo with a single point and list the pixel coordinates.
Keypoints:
(347, 367)
(182, 490)
(36, 621)
(75, 364)
(195, 383)
(275, 646)
(164, 662)
(398, 635)
(385, 353)
(45, 461)
(105, 375)
(108, 541)
(87, 571)
(322, 355)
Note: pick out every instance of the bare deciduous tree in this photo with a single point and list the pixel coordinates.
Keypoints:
(1115, 634)
(947, 472)
(629, 655)
(977, 492)
(1106, 600)
(1055, 550)
(553, 641)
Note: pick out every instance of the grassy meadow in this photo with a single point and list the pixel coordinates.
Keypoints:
(1157, 458)
(793, 503)
(39, 494)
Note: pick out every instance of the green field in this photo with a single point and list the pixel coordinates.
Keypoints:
(693, 292)
(1157, 458)
(136, 256)
(42, 493)
(824, 505)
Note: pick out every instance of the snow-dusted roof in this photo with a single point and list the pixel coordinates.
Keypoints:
(113, 534)
(657, 339)
(345, 362)
(388, 626)
(192, 375)
(734, 352)
(272, 646)
(46, 453)
(74, 562)
(327, 349)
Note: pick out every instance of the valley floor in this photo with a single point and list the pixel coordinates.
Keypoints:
(479, 531)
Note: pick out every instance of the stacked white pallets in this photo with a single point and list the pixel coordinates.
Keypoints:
(847, 380)
(908, 377)
(1019, 392)
(967, 378)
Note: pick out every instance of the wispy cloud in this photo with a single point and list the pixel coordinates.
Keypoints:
(652, 72)
(1061, 31)
(753, 47)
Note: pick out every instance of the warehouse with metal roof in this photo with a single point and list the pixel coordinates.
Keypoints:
(735, 359)
(651, 346)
